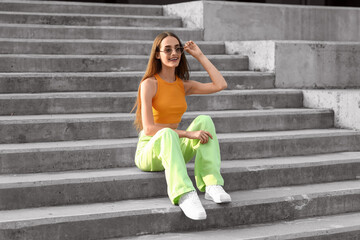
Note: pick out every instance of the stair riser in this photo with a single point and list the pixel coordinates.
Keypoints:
(290, 147)
(80, 8)
(113, 104)
(44, 32)
(102, 64)
(173, 220)
(123, 156)
(333, 236)
(90, 20)
(112, 83)
(86, 47)
(154, 185)
(77, 130)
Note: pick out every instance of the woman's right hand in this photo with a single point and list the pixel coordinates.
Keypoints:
(203, 136)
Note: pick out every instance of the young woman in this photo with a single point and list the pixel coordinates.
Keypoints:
(159, 107)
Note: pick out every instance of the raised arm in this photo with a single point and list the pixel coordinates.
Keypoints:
(218, 82)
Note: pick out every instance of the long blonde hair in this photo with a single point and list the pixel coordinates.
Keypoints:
(153, 67)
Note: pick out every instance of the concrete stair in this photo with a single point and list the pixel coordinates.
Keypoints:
(68, 80)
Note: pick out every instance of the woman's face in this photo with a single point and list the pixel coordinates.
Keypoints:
(167, 57)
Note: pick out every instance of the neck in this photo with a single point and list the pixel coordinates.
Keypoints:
(168, 74)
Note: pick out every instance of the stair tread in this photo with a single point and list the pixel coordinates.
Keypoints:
(97, 27)
(129, 116)
(129, 73)
(128, 173)
(302, 228)
(34, 216)
(223, 137)
(87, 15)
(133, 94)
(70, 3)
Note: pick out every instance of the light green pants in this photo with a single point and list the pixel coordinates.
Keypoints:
(166, 151)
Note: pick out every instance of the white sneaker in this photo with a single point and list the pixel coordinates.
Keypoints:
(191, 206)
(217, 194)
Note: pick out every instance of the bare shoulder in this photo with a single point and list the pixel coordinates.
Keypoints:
(150, 82)
(149, 86)
(188, 85)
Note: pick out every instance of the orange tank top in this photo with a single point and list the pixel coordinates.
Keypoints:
(169, 103)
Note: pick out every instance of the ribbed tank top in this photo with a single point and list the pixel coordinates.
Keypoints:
(169, 103)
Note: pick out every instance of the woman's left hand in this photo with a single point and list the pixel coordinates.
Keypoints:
(193, 49)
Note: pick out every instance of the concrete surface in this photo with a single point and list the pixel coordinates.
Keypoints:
(45, 128)
(105, 63)
(100, 185)
(88, 19)
(105, 153)
(251, 21)
(127, 218)
(80, 7)
(344, 103)
(338, 227)
(116, 81)
(115, 102)
(92, 47)
(303, 64)
(40, 31)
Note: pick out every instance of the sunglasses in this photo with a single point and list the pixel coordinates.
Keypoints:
(178, 50)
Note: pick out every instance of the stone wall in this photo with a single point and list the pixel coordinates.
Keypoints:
(254, 21)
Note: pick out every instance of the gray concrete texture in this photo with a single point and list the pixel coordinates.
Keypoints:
(106, 153)
(41, 31)
(116, 102)
(92, 47)
(127, 218)
(46, 128)
(116, 81)
(104, 63)
(80, 8)
(251, 21)
(88, 20)
(316, 228)
(80, 187)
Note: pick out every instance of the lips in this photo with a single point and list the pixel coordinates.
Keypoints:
(173, 59)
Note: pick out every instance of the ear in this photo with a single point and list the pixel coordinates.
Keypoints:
(157, 55)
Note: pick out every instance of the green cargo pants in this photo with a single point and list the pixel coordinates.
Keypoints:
(166, 151)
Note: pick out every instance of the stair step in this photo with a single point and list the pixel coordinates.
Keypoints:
(37, 31)
(108, 153)
(131, 217)
(79, 7)
(92, 47)
(78, 187)
(45, 128)
(108, 102)
(105, 63)
(116, 81)
(336, 227)
(77, 19)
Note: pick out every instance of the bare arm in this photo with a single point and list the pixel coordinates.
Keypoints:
(218, 82)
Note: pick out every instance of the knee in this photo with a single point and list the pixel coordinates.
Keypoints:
(204, 119)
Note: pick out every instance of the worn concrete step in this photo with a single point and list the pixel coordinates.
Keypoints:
(79, 7)
(335, 227)
(108, 153)
(77, 19)
(92, 47)
(111, 102)
(116, 81)
(39, 31)
(79, 187)
(133, 217)
(46, 128)
(105, 63)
